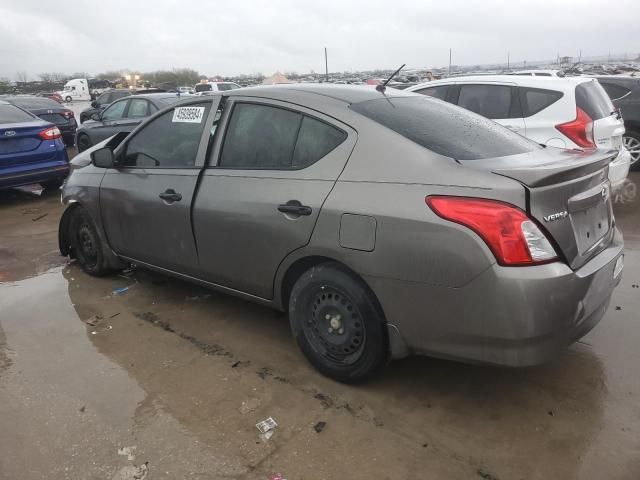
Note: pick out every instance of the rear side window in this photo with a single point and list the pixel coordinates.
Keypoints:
(535, 100)
(203, 87)
(12, 114)
(591, 97)
(439, 92)
(491, 101)
(266, 137)
(315, 140)
(169, 141)
(444, 129)
(615, 92)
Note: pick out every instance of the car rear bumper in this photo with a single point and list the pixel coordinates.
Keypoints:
(619, 169)
(511, 316)
(53, 168)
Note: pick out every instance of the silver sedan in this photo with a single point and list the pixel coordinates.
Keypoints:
(386, 223)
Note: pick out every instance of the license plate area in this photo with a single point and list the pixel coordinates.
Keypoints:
(591, 225)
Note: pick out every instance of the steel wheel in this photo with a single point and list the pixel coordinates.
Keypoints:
(87, 246)
(632, 143)
(337, 323)
(334, 326)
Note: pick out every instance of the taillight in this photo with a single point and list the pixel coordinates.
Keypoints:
(580, 130)
(511, 235)
(50, 133)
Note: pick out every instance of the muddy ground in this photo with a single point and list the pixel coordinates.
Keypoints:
(183, 375)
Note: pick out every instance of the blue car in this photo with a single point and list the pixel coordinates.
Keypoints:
(31, 150)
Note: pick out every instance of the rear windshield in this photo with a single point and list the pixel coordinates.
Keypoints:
(203, 87)
(591, 97)
(12, 114)
(444, 128)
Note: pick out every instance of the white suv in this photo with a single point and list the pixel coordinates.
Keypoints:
(558, 112)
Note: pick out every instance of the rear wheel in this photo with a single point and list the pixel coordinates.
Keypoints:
(632, 143)
(51, 184)
(86, 244)
(67, 99)
(84, 142)
(337, 323)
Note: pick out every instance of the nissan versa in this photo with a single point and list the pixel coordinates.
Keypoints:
(385, 223)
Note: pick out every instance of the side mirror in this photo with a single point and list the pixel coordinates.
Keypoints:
(94, 104)
(96, 116)
(103, 158)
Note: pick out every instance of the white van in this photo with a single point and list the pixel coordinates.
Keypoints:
(75, 89)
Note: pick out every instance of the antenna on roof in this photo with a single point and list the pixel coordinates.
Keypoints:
(383, 86)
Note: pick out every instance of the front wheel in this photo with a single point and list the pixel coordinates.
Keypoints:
(632, 143)
(67, 99)
(338, 324)
(86, 244)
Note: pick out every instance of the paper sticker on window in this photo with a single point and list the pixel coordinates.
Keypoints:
(188, 115)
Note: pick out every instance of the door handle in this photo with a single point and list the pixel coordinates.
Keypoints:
(294, 207)
(170, 196)
(513, 128)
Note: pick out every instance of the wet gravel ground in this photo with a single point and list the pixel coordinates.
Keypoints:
(183, 375)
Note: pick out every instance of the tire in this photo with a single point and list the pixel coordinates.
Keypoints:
(52, 184)
(632, 142)
(68, 99)
(338, 324)
(84, 142)
(86, 244)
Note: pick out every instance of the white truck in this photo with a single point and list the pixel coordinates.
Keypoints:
(75, 89)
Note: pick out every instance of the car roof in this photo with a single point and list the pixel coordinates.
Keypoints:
(523, 81)
(344, 93)
(33, 101)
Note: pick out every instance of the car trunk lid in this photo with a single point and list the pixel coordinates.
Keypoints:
(568, 193)
(19, 138)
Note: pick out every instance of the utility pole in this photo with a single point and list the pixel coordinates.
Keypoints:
(449, 63)
(579, 55)
(508, 60)
(326, 65)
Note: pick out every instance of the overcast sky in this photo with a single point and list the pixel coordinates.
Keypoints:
(248, 36)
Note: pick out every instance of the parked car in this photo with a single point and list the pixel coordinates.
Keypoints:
(380, 237)
(558, 112)
(31, 149)
(215, 87)
(625, 94)
(50, 111)
(101, 102)
(185, 90)
(121, 116)
(51, 95)
(110, 96)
